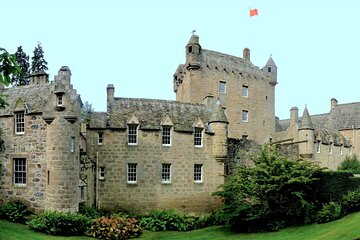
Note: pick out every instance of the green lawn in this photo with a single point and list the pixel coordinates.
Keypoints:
(345, 228)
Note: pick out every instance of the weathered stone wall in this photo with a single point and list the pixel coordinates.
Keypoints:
(333, 160)
(149, 192)
(32, 146)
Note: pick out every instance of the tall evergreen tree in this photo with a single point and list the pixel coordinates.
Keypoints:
(38, 63)
(22, 77)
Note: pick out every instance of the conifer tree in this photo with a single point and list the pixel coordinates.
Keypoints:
(22, 77)
(38, 63)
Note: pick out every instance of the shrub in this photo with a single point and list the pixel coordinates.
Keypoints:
(114, 227)
(89, 211)
(351, 201)
(332, 186)
(350, 164)
(330, 212)
(15, 212)
(59, 223)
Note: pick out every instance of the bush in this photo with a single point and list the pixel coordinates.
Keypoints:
(15, 212)
(59, 223)
(350, 164)
(351, 201)
(161, 220)
(89, 211)
(330, 212)
(332, 186)
(114, 227)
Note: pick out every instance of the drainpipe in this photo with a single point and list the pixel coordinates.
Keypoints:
(97, 181)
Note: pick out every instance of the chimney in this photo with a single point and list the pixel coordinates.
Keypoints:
(246, 54)
(294, 113)
(333, 103)
(110, 92)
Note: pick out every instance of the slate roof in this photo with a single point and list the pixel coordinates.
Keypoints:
(345, 116)
(35, 97)
(151, 112)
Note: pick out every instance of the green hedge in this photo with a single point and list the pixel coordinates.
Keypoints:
(332, 186)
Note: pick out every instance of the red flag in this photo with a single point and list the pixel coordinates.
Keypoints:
(253, 12)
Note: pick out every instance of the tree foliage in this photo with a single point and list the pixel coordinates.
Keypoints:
(350, 164)
(86, 109)
(22, 77)
(38, 64)
(274, 193)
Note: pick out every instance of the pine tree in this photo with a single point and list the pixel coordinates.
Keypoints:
(22, 77)
(38, 63)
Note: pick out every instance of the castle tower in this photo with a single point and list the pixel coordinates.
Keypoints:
(271, 70)
(192, 51)
(306, 136)
(62, 115)
(219, 123)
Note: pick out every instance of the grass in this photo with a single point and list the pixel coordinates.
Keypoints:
(345, 228)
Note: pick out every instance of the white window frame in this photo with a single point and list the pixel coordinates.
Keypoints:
(331, 148)
(59, 100)
(131, 175)
(166, 135)
(198, 137)
(133, 132)
(72, 144)
(166, 173)
(100, 138)
(318, 146)
(198, 173)
(341, 149)
(245, 116)
(245, 91)
(101, 173)
(222, 87)
(19, 123)
(19, 174)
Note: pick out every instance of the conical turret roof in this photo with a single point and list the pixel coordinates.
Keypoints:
(218, 114)
(306, 121)
(194, 39)
(270, 62)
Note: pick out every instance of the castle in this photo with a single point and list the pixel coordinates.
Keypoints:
(143, 154)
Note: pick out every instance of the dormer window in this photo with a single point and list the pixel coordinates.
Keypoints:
(19, 123)
(166, 135)
(331, 148)
(132, 134)
(318, 146)
(100, 138)
(60, 101)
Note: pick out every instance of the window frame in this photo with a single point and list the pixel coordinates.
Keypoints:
(19, 172)
(166, 171)
(19, 123)
(100, 139)
(72, 144)
(133, 132)
(341, 149)
(59, 100)
(166, 138)
(198, 175)
(101, 173)
(246, 112)
(222, 87)
(318, 147)
(198, 137)
(131, 175)
(245, 91)
(331, 148)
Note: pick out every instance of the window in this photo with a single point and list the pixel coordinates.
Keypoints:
(269, 69)
(59, 100)
(166, 135)
(331, 148)
(341, 149)
(100, 138)
(198, 172)
(198, 137)
(82, 193)
(132, 134)
(245, 115)
(72, 144)
(166, 173)
(131, 173)
(318, 146)
(222, 87)
(19, 123)
(20, 171)
(190, 49)
(245, 91)
(101, 173)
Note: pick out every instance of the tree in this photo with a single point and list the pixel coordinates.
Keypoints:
(38, 63)
(22, 77)
(350, 164)
(8, 67)
(86, 109)
(274, 193)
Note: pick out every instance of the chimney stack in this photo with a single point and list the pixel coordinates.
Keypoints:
(333, 103)
(246, 54)
(110, 92)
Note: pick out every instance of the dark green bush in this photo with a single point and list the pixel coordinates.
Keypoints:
(160, 220)
(114, 227)
(89, 211)
(351, 201)
(350, 164)
(330, 212)
(59, 223)
(15, 212)
(332, 186)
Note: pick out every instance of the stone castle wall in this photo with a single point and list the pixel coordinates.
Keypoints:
(182, 193)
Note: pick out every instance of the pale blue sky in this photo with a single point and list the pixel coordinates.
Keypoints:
(137, 45)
